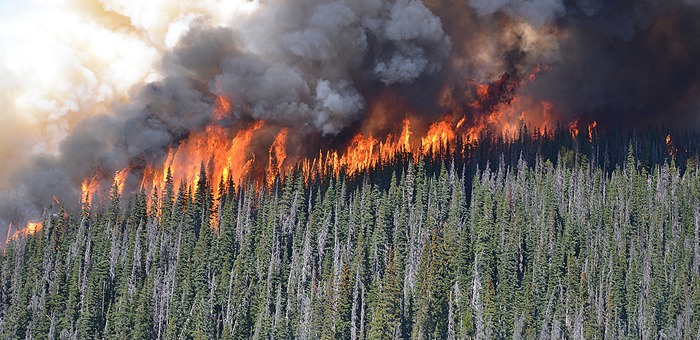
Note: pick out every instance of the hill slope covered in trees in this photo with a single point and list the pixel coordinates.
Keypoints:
(526, 239)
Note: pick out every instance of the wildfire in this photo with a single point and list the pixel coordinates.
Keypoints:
(366, 151)
(405, 137)
(672, 151)
(591, 130)
(30, 229)
(537, 70)
(278, 153)
(438, 137)
(223, 154)
(212, 148)
(120, 179)
(221, 107)
(33, 227)
(497, 107)
(573, 128)
(228, 157)
(222, 104)
(89, 188)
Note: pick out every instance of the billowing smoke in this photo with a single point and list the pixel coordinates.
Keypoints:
(299, 64)
(126, 81)
(310, 68)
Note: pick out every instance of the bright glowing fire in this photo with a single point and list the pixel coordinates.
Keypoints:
(220, 155)
(120, 179)
(438, 137)
(229, 157)
(228, 154)
(89, 188)
(278, 154)
(672, 151)
(574, 129)
(31, 229)
(591, 130)
(221, 107)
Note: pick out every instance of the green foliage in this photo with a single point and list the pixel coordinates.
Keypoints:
(557, 247)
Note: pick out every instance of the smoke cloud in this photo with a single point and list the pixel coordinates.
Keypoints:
(537, 12)
(298, 64)
(624, 63)
(97, 86)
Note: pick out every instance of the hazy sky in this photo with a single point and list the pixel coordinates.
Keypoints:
(62, 61)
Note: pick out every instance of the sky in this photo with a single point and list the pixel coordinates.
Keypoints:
(63, 61)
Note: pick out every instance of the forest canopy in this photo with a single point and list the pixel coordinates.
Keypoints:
(547, 237)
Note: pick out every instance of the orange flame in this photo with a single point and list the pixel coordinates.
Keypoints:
(365, 151)
(405, 137)
(591, 130)
(89, 188)
(228, 156)
(31, 229)
(120, 179)
(278, 153)
(573, 128)
(223, 157)
(221, 107)
(438, 136)
(672, 151)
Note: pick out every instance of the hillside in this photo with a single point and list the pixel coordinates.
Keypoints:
(541, 237)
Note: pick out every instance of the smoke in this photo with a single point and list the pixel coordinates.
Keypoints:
(311, 68)
(622, 63)
(98, 86)
(537, 12)
(300, 64)
(628, 65)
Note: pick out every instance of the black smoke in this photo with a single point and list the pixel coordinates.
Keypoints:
(623, 63)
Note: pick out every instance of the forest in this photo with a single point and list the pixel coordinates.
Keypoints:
(549, 235)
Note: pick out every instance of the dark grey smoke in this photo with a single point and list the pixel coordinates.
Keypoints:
(630, 64)
(314, 65)
(316, 62)
(299, 64)
(627, 63)
(537, 12)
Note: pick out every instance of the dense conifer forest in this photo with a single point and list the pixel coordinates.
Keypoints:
(552, 237)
